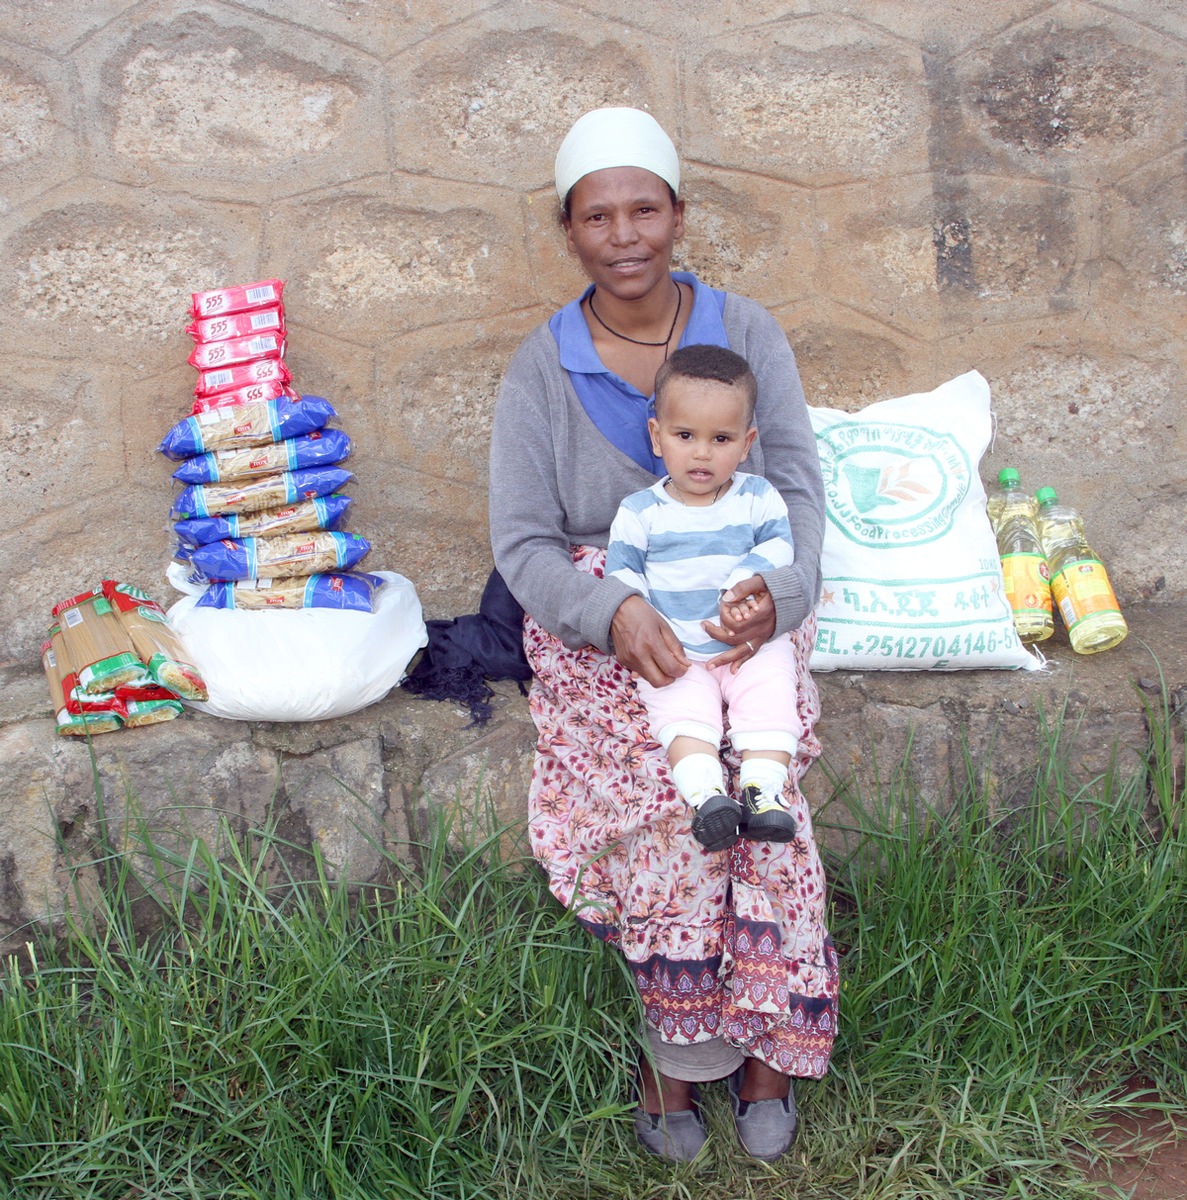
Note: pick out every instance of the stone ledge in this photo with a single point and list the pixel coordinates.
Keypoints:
(365, 784)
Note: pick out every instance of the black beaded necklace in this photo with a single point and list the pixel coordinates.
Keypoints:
(636, 341)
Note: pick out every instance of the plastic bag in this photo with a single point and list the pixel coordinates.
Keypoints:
(257, 495)
(322, 512)
(246, 425)
(302, 665)
(285, 554)
(347, 591)
(323, 447)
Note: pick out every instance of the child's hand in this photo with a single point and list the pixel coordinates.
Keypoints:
(737, 610)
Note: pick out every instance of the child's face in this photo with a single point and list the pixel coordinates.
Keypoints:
(702, 433)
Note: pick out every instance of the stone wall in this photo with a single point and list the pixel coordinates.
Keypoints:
(913, 189)
(364, 789)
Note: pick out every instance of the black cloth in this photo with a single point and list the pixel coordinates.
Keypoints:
(464, 652)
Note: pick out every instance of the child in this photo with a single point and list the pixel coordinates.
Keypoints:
(698, 532)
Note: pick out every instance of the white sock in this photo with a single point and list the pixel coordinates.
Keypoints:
(765, 774)
(697, 777)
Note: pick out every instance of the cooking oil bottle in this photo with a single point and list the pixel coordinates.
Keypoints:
(1078, 578)
(1014, 516)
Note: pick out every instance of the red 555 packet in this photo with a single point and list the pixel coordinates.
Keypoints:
(253, 393)
(226, 379)
(237, 325)
(237, 299)
(212, 355)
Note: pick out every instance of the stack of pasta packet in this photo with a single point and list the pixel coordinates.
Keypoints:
(112, 660)
(256, 520)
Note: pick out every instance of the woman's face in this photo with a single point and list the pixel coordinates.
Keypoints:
(622, 225)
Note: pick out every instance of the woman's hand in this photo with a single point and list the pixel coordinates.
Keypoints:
(645, 643)
(747, 620)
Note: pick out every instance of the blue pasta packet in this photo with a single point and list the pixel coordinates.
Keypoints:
(322, 512)
(246, 425)
(347, 591)
(286, 554)
(257, 495)
(320, 448)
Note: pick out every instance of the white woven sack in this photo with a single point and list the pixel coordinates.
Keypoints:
(912, 578)
(306, 664)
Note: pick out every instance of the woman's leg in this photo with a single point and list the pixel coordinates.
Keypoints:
(721, 945)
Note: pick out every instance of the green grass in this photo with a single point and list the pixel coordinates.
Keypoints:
(457, 1035)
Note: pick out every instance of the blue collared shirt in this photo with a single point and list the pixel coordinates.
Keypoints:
(618, 409)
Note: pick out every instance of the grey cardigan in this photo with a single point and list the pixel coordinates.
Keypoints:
(555, 481)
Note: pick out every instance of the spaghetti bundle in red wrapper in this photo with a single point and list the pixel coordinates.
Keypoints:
(157, 646)
(99, 648)
(82, 721)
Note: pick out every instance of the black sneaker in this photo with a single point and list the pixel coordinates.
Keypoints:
(766, 820)
(715, 824)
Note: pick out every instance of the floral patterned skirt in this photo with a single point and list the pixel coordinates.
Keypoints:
(728, 944)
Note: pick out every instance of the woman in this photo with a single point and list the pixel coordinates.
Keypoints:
(728, 949)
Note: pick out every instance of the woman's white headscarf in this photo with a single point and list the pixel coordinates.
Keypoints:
(616, 137)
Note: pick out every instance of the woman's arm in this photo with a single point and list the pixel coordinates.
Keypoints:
(527, 506)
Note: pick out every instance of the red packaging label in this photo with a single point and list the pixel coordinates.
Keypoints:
(225, 379)
(209, 355)
(264, 294)
(237, 325)
(81, 598)
(256, 393)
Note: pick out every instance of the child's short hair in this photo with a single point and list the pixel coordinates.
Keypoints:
(716, 363)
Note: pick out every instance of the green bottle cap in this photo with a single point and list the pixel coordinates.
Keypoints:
(1046, 496)
(1008, 477)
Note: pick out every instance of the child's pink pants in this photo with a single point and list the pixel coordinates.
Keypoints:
(760, 697)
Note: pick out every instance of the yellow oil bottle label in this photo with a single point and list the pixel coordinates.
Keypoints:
(1082, 589)
(1028, 583)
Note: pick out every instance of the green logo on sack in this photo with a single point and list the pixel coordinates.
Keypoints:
(892, 485)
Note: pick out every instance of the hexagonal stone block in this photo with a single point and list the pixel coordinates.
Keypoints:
(231, 104)
(491, 100)
(111, 280)
(435, 396)
(818, 102)
(1145, 230)
(1017, 247)
(60, 436)
(429, 529)
(38, 144)
(879, 254)
(1082, 91)
(845, 360)
(748, 235)
(376, 26)
(366, 265)
(57, 25)
(942, 32)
